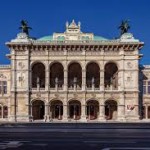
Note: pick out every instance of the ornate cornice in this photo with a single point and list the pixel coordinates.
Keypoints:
(74, 46)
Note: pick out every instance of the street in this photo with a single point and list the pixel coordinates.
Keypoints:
(50, 136)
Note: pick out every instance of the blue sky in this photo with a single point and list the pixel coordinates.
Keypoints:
(102, 17)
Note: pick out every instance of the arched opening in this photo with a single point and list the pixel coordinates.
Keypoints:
(56, 108)
(1, 111)
(38, 75)
(74, 110)
(111, 110)
(5, 112)
(92, 75)
(74, 76)
(111, 76)
(56, 75)
(38, 110)
(92, 109)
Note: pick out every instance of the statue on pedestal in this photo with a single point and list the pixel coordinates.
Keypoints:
(24, 27)
(124, 27)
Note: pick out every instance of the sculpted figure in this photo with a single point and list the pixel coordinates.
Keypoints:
(24, 27)
(124, 27)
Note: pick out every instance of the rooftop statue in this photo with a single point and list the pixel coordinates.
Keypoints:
(124, 27)
(24, 27)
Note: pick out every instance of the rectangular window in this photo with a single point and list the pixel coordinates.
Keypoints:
(144, 87)
(5, 87)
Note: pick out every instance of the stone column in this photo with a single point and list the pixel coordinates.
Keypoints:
(65, 79)
(83, 79)
(47, 78)
(101, 116)
(46, 116)
(83, 112)
(65, 112)
(102, 86)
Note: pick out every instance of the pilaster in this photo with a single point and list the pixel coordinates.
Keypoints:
(101, 116)
(83, 112)
(102, 80)
(65, 79)
(65, 112)
(47, 78)
(46, 116)
(83, 79)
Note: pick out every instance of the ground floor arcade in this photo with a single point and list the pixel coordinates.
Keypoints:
(74, 110)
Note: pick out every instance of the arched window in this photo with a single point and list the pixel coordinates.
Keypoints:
(74, 76)
(111, 76)
(3, 87)
(92, 75)
(38, 75)
(74, 109)
(92, 109)
(38, 110)
(56, 75)
(56, 109)
(111, 110)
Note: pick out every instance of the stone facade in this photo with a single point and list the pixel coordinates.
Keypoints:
(75, 77)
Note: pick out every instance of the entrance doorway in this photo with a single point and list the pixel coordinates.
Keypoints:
(92, 109)
(111, 110)
(57, 109)
(38, 110)
(74, 110)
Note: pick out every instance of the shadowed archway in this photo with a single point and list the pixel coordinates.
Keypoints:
(111, 110)
(74, 76)
(74, 109)
(38, 110)
(56, 75)
(92, 109)
(38, 75)
(92, 75)
(111, 76)
(56, 108)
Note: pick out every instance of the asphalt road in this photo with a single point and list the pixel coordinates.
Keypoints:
(50, 136)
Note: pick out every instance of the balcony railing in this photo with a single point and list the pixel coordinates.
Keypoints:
(75, 88)
(38, 89)
(111, 87)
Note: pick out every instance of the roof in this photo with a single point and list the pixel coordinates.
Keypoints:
(46, 38)
(50, 38)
